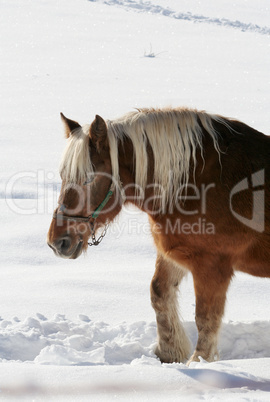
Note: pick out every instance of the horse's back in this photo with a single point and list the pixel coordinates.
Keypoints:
(248, 143)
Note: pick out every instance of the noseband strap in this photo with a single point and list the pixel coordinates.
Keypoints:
(91, 218)
(72, 218)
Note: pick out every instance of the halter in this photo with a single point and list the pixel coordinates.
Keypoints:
(91, 218)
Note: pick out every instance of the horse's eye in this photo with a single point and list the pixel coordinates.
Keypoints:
(62, 208)
(88, 181)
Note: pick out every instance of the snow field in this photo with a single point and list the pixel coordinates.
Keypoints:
(85, 329)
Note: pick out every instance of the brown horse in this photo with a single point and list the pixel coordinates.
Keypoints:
(203, 180)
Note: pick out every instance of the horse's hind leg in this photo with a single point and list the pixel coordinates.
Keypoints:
(211, 285)
(173, 344)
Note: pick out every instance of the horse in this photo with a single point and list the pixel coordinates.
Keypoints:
(204, 181)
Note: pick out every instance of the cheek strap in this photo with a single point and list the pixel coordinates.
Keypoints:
(103, 203)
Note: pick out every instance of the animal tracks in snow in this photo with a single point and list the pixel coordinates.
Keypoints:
(148, 7)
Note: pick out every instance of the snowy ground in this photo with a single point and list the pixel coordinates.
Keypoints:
(84, 329)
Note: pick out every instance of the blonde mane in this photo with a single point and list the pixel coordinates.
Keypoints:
(76, 166)
(174, 135)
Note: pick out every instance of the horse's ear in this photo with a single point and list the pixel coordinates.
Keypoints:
(70, 125)
(98, 132)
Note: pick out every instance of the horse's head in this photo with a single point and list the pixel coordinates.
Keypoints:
(88, 197)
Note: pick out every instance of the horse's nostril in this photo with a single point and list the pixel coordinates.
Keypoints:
(63, 244)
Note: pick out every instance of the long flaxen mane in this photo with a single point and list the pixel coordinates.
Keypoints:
(174, 135)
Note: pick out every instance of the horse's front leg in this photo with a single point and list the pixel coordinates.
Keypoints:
(172, 342)
(211, 285)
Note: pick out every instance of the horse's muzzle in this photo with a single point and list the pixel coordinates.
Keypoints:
(63, 247)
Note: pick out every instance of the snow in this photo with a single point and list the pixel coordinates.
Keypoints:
(62, 341)
(85, 329)
(196, 12)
